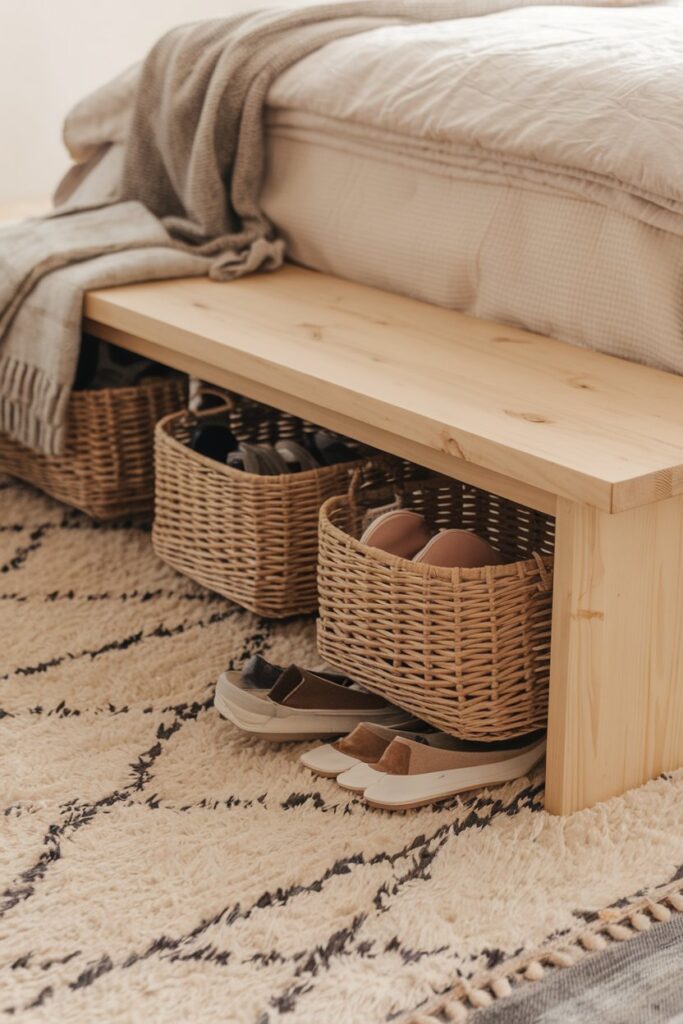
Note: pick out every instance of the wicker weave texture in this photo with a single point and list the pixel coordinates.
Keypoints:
(251, 538)
(107, 468)
(467, 650)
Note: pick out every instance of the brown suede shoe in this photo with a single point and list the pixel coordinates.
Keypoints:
(365, 745)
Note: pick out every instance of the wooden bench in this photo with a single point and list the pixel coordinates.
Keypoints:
(596, 441)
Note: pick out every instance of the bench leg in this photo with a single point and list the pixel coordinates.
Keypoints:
(616, 679)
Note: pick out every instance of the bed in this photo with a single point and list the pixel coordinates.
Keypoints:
(524, 168)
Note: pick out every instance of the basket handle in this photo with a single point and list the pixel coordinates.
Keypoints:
(356, 482)
(378, 462)
(354, 486)
(357, 477)
(228, 402)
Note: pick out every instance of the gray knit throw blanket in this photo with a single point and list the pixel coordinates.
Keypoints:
(166, 183)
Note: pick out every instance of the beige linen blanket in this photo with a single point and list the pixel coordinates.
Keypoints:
(166, 182)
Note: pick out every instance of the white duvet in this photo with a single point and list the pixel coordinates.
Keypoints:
(584, 100)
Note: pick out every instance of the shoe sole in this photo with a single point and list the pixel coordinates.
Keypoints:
(378, 805)
(350, 789)
(321, 774)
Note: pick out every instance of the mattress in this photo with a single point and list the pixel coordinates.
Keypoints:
(377, 171)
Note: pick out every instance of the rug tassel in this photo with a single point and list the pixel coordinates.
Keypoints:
(593, 941)
(676, 900)
(454, 1012)
(660, 912)
(479, 998)
(619, 932)
(561, 958)
(501, 987)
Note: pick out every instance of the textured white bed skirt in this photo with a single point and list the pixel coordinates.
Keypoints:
(517, 253)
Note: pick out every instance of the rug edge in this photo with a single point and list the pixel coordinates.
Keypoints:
(612, 924)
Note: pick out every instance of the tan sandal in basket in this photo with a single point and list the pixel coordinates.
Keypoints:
(399, 531)
(458, 549)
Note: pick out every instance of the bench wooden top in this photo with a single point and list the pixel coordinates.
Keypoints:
(531, 417)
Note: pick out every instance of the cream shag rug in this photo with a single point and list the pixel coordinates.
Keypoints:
(157, 866)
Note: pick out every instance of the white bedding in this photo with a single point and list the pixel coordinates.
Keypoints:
(525, 167)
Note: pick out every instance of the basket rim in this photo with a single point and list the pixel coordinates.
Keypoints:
(162, 430)
(522, 568)
(132, 389)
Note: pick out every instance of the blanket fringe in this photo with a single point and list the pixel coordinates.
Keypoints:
(33, 407)
(614, 924)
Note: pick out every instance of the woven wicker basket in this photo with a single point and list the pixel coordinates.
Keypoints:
(467, 650)
(251, 538)
(107, 468)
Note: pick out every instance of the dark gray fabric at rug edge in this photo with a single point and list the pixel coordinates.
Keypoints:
(639, 981)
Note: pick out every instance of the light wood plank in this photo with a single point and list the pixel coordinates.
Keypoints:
(616, 687)
(554, 417)
(441, 462)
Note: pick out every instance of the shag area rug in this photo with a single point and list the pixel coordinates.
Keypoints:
(155, 865)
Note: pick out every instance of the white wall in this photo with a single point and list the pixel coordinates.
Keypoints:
(54, 51)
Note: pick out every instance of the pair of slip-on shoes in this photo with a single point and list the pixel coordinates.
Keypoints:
(405, 533)
(278, 704)
(398, 770)
(214, 439)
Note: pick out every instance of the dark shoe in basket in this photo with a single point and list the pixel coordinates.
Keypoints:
(330, 449)
(261, 459)
(298, 458)
(101, 365)
(213, 439)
